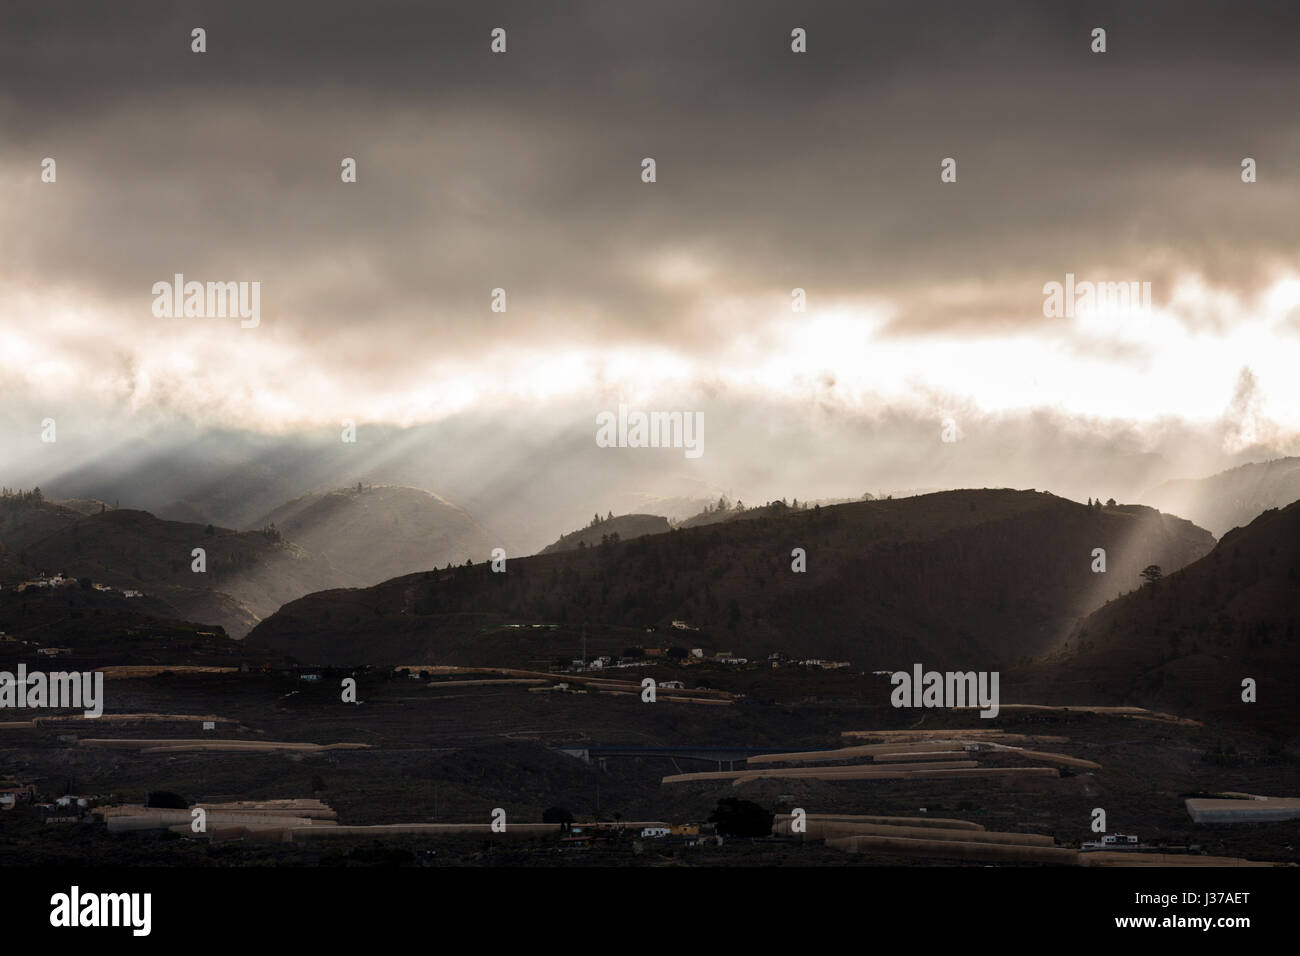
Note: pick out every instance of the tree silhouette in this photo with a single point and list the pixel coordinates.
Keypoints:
(741, 818)
(1151, 573)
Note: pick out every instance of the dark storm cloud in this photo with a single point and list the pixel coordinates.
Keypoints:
(521, 171)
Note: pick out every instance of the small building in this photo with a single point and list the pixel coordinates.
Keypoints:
(53, 651)
(1112, 841)
(671, 684)
(655, 832)
(14, 792)
(72, 801)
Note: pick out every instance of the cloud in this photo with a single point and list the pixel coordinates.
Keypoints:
(521, 171)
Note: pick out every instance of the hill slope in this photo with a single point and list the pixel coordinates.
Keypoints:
(249, 574)
(970, 577)
(1231, 499)
(626, 527)
(1185, 642)
(381, 532)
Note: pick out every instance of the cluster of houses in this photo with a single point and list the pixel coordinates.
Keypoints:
(580, 835)
(686, 834)
(6, 638)
(1114, 841)
(696, 655)
(45, 579)
(14, 792)
(69, 808)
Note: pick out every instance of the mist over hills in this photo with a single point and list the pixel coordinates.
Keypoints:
(248, 573)
(380, 532)
(344, 538)
(1230, 499)
(528, 477)
(520, 484)
(965, 577)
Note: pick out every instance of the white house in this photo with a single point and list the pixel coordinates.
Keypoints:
(655, 832)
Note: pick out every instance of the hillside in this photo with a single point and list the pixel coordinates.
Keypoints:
(85, 506)
(104, 628)
(26, 519)
(11, 569)
(1231, 499)
(976, 578)
(249, 574)
(724, 511)
(380, 532)
(1185, 642)
(626, 527)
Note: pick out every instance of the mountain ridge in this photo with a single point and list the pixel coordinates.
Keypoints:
(993, 575)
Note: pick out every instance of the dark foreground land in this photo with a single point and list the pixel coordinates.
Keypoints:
(452, 754)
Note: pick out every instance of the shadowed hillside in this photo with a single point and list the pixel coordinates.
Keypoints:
(626, 527)
(11, 570)
(1185, 642)
(976, 578)
(26, 517)
(249, 573)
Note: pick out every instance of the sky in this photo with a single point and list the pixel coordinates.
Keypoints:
(774, 170)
